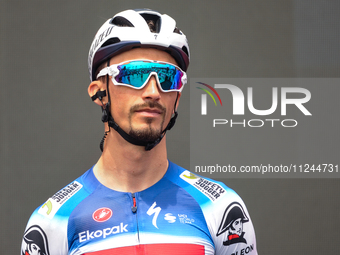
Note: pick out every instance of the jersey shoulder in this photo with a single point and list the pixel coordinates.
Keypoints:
(206, 191)
(47, 227)
(67, 198)
(225, 212)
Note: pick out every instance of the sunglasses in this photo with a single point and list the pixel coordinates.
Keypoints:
(136, 74)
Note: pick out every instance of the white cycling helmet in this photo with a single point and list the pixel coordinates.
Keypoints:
(129, 29)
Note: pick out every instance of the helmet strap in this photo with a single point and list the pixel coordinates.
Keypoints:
(147, 144)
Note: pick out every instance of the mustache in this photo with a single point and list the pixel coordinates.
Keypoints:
(148, 104)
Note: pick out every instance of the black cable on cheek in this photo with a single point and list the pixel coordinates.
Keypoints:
(106, 111)
(101, 145)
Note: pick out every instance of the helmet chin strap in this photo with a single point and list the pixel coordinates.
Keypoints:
(107, 117)
(147, 144)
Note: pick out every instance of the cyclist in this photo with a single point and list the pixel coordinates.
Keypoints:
(134, 200)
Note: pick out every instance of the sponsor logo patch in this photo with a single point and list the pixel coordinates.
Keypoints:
(170, 218)
(153, 210)
(183, 218)
(102, 214)
(52, 205)
(211, 189)
(232, 223)
(102, 233)
(35, 242)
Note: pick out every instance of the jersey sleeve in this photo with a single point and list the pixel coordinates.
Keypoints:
(46, 231)
(226, 215)
(44, 235)
(230, 225)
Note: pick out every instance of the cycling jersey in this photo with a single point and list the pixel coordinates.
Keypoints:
(181, 214)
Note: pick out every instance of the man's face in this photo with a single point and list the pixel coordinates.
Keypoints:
(237, 227)
(143, 113)
(34, 249)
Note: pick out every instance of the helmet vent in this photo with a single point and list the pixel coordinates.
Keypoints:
(111, 41)
(153, 22)
(177, 31)
(185, 50)
(121, 22)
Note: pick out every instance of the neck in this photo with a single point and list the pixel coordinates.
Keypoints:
(130, 168)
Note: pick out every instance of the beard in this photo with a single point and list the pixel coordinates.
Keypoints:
(149, 133)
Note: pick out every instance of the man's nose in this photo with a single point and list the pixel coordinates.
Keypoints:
(151, 89)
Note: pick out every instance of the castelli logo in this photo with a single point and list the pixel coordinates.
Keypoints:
(102, 214)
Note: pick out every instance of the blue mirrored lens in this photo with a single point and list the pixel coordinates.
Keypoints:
(136, 73)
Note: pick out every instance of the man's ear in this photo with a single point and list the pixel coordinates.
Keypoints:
(93, 89)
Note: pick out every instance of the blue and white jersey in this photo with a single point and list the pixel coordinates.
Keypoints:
(181, 214)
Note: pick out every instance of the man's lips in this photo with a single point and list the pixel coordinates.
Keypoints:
(148, 110)
(151, 112)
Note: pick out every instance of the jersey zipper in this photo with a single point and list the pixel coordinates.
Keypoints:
(134, 211)
(134, 204)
